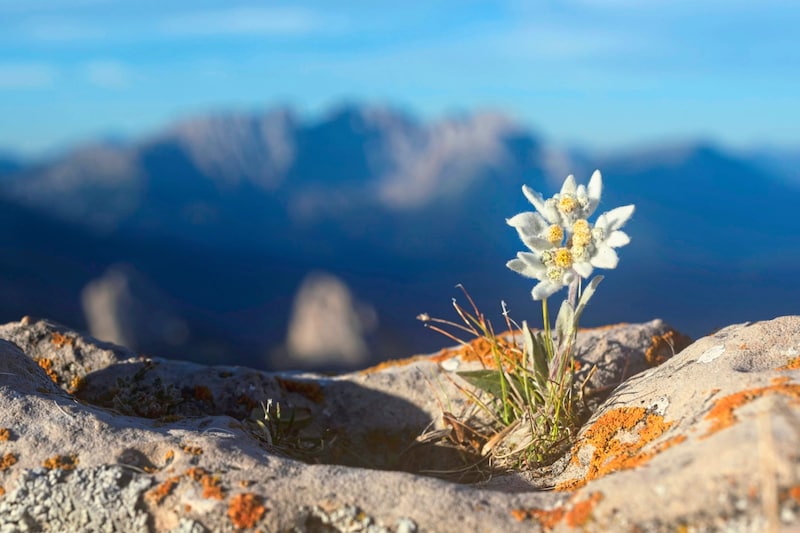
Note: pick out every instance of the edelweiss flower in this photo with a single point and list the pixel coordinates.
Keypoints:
(553, 262)
(552, 268)
(572, 203)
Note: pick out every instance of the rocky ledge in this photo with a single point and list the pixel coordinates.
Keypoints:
(701, 437)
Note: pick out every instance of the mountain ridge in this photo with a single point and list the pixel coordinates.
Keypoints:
(229, 212)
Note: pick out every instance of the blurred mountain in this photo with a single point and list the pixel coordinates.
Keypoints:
(8, 164)
(223, 217)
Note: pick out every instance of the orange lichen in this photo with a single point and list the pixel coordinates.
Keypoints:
(664, 346)
(63, 462)
(573, 514)
(169, 456)
(247, 401)
(212, 487)
(794, 493)
(245, 510)
(722, 414)
(548, 519)
(47, 365)
(193, 450)
(158, 494)
(611, 453)
(76, 384)
(582, 510)
(60, 340)
(2, 492)
(5, 434)
(393, 363)
(482, 350)
(793, 364)
(196, 473)
(310, 389)
(211, 484)
(7, 460)
(203, 393)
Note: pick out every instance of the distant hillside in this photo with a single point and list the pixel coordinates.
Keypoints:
(224, 216)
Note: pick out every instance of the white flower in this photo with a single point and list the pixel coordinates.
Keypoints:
(535, 232)
(572, 203)
(556, 263)
(547, 268)
(607, 236)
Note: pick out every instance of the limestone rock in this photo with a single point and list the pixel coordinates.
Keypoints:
(101, 440)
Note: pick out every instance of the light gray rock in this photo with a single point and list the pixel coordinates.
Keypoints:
(124, 307)
(328, 326)
(706, 441)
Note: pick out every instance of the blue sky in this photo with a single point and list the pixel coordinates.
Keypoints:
(600, 73)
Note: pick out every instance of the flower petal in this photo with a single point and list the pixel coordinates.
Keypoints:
(545, 289)
(605, 257)
(521, 267)
(617, 239)
(569, 185)
(594, 191)
(583, 268)
(534, 197)
(616, 218)
(531, 223)
(535, 243)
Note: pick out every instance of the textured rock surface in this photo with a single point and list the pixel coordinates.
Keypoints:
(93, 438)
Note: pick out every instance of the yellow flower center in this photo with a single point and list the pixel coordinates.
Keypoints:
(582, 239)
(579, 253)
(555, 274)
(563, 258)
(580, 226)
(555, 234)
(581, 233)
(567, 204)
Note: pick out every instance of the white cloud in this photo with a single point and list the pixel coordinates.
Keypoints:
(244, 21)
(108, 74)
(26, 75)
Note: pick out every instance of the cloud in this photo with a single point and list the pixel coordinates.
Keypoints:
(26, 76)
(244, 21)
(108, 74)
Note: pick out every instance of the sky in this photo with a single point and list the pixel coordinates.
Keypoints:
(600, 74)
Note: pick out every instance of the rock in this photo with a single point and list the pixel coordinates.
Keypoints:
(100, 440)
(122, 306)
(328, 327)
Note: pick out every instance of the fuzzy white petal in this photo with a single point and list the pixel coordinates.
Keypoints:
(521, 267)
(605, 257)
(595, 190)
(544, 289)
(617, 239)
(569, 185)
(535, 243)
(534, 197)
(529, 222)
(616, 218)
(583, 268)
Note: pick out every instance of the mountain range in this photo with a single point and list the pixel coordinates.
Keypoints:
(199, 237)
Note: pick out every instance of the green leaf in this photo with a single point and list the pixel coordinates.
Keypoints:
(565, 324)
(536, 352)
(487, 380)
